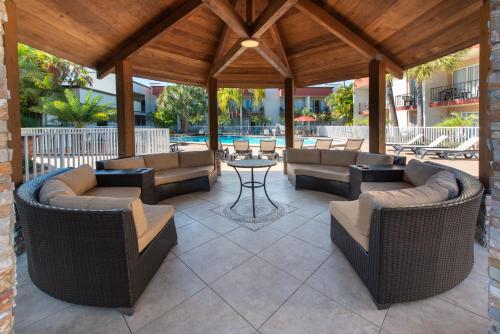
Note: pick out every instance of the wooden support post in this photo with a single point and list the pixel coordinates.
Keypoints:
(289, 90)
(484, 69)
(13, 104)
(376, 106)
(213, 125)
(125, 109)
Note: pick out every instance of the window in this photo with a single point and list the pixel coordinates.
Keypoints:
(247, 103)
(466, 74)
(298, 104)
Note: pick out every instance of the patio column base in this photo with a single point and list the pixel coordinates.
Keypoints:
(218, 163)
(482, 227)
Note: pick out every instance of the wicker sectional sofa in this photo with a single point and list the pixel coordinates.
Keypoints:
(411, 237)
(89, 244)
(329, 170)
(172, 174)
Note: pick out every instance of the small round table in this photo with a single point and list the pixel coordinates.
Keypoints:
(252, 164)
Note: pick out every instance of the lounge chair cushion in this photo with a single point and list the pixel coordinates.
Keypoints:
(366, 158)
(53, 188)
(447, 180)
(80, 179)
(106, 203)
(384, 186)
(161, 161)
(338, 158)
(303, 156)
(326, 172)
(182, 174)
(347, 214)
(118, 192)
(417, 172)
(368, 201)
(196, 158)
(157, 217)
(125, 163)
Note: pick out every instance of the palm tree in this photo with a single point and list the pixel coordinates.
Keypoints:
(341, 104)
(231, 97)
(258, 96)
(77, 113)
(392, 104)
(425, 71)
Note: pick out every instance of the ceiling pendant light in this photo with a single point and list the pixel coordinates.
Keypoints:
(250, 43)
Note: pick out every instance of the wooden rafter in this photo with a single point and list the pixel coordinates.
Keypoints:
(268, 54)
(230, 56)
(270, 15)
(146, 35)
(341, 31)
(227, 13)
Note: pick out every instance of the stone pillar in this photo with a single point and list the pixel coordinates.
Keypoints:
(7, 258)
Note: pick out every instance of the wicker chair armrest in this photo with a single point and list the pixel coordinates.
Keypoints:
(142, 178)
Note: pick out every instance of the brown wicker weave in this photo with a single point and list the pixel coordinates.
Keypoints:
(416, 252)
(86, 256)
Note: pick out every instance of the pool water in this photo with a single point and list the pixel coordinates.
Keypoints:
(228, 140)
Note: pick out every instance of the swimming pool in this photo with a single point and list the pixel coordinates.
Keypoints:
(228, 140)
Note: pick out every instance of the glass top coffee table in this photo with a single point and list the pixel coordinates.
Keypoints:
(252, 184)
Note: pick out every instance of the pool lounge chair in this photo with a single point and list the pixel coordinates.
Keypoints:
(298, 143)
(416, 148)
(323, 143)
(409, 142)
(241, 148)
(466, 149)
(268, 149)
(353, 144)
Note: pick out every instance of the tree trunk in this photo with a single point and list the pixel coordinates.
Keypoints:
(184, 123)
(420, 104)
(392, 105)
(241, 120)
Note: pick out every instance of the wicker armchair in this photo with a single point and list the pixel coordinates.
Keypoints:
(87, 257)
(416, 252)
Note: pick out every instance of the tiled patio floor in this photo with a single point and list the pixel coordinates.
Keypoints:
(286, 278)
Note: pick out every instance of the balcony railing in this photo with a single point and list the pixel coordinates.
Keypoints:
(458, 91)
(406, 100)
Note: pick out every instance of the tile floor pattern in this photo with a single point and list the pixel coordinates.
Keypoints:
(286, 278)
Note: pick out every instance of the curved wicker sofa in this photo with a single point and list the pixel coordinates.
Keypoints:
(87, 257)
(418, 251)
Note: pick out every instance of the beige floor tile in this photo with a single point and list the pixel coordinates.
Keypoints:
(172, 284)
(317, 234)
(219, 224)
(294, 256)
(183, 201)
(181, 219)
(336, 279)
(256, 289)
(480, 260)
(254, 241)
(215, 258)
(433, 316)
(191, 236)
(324, 217)
(289, 222)
(200, 211)
(308, 311)
(204, 313)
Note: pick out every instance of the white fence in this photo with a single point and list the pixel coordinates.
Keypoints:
(49, 148)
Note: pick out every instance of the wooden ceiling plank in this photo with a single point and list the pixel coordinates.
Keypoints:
(270, 15)
(268, 54)
(337, 28)
(233, 53)
(226, 12)
(147, 34)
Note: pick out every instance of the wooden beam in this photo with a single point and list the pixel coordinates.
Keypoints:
(146, 35)
(270, 15)
(233, 53)
(13, 103)
(268, 54)
(275, 35)
(226, 12)
(125, 118)
(213, 125)
(341, 31)
(485, 156)
(376, 106)
(289, 90)
(249, 11)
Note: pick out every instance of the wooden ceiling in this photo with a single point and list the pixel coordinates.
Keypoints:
(187, 41)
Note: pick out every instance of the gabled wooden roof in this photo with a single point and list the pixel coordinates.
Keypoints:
(187, 41)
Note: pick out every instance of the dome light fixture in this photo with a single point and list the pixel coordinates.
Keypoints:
(250, 43)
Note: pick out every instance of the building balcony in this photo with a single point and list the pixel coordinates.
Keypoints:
(406, 101)
(460, 93)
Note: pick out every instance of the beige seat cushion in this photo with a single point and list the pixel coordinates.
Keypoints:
(384, 186)
(157, 217)
(447, 180)
(80, 179)
(326, 172)
(161, 161)
(125, 163)
(182, 174)
(118, 192)
(52, 188)
(303, 156)
(106, 203)
(347, 214)
(338, 158)
(366, 158)
(418, 172)
(196, 158)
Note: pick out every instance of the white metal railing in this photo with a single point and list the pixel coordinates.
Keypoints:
(48, 148)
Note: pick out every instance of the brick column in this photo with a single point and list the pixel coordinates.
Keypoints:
(7, 258)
